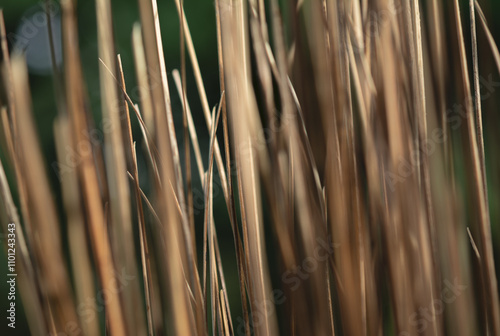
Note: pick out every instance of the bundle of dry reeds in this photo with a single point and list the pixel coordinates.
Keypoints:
(352, 145)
